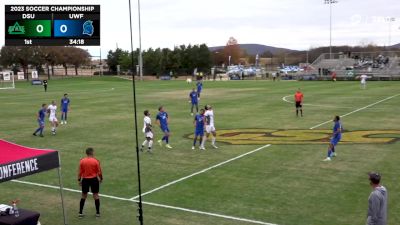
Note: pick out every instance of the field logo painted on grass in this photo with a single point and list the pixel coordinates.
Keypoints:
(273, 136)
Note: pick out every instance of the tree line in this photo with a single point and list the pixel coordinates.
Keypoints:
(180, 60)
(20, 57)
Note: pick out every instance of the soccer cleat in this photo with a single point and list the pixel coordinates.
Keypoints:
(214, 145)
(160, 142)
(62, 122)
(327, 159)
(202, 148)
(97, 215)
(150, 151)
(34, 134)
(65, 122)
(53, 133)
(168, 146)
(81, 215)
(141, 149)
(192, 147)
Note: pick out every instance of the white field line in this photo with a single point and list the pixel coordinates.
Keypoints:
(359, 109)
(151, 204)
(201, 171)
(325, 106)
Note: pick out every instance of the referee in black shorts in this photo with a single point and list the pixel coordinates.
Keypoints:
(90, 177)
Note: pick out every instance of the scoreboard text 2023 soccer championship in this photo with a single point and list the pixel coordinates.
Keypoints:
(52, 25)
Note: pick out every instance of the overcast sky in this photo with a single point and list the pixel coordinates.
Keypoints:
(295, 24)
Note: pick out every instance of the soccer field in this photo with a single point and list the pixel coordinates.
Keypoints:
(268, 168)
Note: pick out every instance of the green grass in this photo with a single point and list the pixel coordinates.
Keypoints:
(282, 184)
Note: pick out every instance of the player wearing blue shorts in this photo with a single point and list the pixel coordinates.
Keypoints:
(199, 123)
(199, 88)
(162, 120)
(193, 99)
(336, 136)
(40, 119)
(64, 108)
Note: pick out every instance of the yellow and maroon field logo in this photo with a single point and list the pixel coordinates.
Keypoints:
(284, 137)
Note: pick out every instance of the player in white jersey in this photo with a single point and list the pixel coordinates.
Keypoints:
(51, 110)
(210, 127)
(363, 79)
(148, 133)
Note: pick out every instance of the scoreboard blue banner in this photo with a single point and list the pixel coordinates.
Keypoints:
(51, 25)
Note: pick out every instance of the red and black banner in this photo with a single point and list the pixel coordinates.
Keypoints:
(18, 161)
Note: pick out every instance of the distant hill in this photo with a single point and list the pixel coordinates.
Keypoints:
(396, 46)
(253, 49)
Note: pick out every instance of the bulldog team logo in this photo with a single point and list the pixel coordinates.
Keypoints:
(285, 137)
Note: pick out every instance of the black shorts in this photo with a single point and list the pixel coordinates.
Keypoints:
(92, 183)
(298, 105)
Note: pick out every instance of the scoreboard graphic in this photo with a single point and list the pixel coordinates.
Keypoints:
(52, 25)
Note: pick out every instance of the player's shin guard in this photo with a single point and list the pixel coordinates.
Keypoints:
(144, 143)
(150, 144)
(213, 140)
(329, 153)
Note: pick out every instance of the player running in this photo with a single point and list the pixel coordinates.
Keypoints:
(199, 88)
(148, 133)
(64, 108)
(194, 101)
(51, 110)
(162, 120)
(298, 97)
(210, 128)
(199, 122)
(336, 136)
(40, 118)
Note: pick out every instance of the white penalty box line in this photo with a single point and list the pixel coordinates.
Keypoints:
(152, 204)
(201, 171)
(357, 110)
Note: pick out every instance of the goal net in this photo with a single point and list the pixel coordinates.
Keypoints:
(7, 80)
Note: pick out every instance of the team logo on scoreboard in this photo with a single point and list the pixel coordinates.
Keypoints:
(288, 137)
(16, 29)
(88, 28)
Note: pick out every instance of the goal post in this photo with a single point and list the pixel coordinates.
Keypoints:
(7, 80)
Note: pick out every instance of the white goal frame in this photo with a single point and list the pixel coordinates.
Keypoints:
(2, 81)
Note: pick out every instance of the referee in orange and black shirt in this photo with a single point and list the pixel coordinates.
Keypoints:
(90, 176)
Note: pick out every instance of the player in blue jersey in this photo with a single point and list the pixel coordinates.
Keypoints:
(336, 136)
(199, 123)
(162, 120)
(40, 119)
(199, 88)
(64, 108)
(194, 101)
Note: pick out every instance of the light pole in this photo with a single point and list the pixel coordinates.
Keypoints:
(140, 43)
(330, 2)
(390, 20)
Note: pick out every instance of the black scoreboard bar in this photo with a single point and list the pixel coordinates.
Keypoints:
(52, 25)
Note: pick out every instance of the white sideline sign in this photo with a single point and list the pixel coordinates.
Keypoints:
(35, 74)
(20, 75)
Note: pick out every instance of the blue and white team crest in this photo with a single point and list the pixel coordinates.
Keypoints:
(88, 28)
